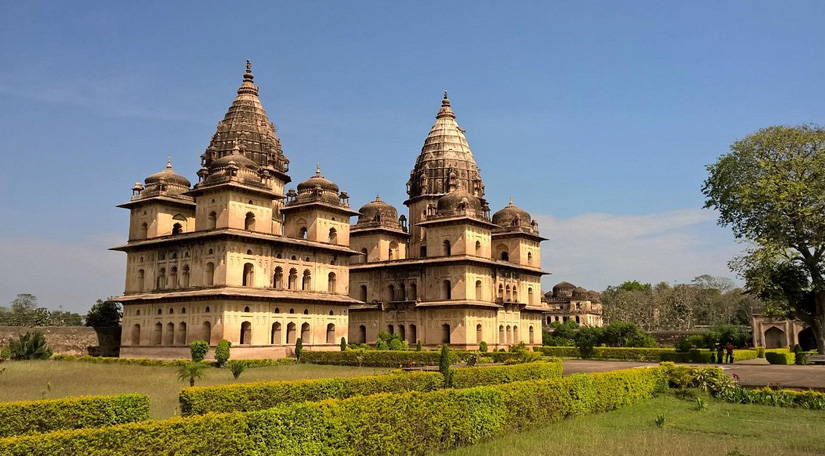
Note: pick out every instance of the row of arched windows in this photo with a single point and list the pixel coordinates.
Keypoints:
(171, 335)
(395, 293)
(279, 336)
(510, 294)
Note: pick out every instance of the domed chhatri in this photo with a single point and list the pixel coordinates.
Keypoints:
(459, 201)
(318, 181)
(319, 189)
(513, 216)
(168, 175)
(377, 211)
(163, 183)
(563, 289)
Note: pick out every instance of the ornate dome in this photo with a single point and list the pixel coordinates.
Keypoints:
(168, 175)
(457, 200)
(247, 126)
(580, 293)
(512, 215)
(318, 181)
(594, 296)
(563, 290)
(445, 151)
(377, 211)
(235, 158)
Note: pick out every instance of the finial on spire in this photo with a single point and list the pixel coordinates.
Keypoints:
(510, 204)
(317, 169)
(168, 162)
(377, 197)
(446, 100)
(248, 74)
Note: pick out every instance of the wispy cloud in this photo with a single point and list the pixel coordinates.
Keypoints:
(597, 250)
(68, 274)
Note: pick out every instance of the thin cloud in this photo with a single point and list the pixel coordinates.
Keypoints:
(597, 250)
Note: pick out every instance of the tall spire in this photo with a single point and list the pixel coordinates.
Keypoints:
(446, 110)
(248, 87)
(168, 162)
(317, 169)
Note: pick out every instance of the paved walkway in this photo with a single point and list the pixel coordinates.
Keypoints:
(751, 373)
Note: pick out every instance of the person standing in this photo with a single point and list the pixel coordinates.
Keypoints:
(729, 354)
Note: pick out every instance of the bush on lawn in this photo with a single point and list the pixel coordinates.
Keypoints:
(28, 417)
(780, 357)
(30, 346)
(222, 352)
(198, 350)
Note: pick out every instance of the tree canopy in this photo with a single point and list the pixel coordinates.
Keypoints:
(770, 190)
(25, 311)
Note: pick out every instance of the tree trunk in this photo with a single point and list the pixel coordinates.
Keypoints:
(191, 381)
(818, 322)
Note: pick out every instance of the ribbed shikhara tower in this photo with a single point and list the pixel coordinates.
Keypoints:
(466, 277)
(235, 257)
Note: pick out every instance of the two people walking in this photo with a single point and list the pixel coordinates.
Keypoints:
(728, 350)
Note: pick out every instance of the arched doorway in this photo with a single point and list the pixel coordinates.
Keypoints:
(305, 333)
(807, 339)
(330, 333)
(206, 332)
(136, 335)
(362, 334)
(445, 333)
(774, 338)
(290, 333)
(181, 340)
(170, 334)
(275, 338)
(246, 333)
(157, 334)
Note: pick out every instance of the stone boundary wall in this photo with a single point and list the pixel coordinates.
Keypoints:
(669, 338)
(70, 340)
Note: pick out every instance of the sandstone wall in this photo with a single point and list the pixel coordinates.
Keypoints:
(70, 340)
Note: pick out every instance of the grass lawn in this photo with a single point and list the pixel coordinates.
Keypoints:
(28, 380)
(752, 429)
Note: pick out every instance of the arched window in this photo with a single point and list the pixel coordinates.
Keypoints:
(530, 296)
(246, 333)
(507, 294)
(206, 332)
(501, 335)
(331, 282)
(136, 335)
(275, 337)
(445, 333)
(504, 255)
(207, 309)
(509, 334)
(447, 248)
(144, 231)
(479, 296)
(183, 310)
(292, 311)
(302, 232)
(478, 333)
(137, 312)
(248, 275)
(277, 310)
(171, 311)
(278, 278)
(516, 337)
(501, 291)
(290, 333)
(447, 290)
(173, 277)
(169, 338)
(141, 277)
(529, 257)
(184, 278)
(413, 334)
(246, 309)
(292, 282)
(177, 228)
(362, 334)
(212, 221)
(478, 248)
(161, 281)
(249, 222)
(330, 333)
(366, 254)
(530, 335)
(306, 282)
(209, 274)
(413, 291)
(515, 294)
(181, 333)
(402, 332)
(393, 252)
(402, 292)
(305, 333)
(157, 334)
(364, 293)
(333, 236)
(306, 311)
(160, 311)
(390, 292)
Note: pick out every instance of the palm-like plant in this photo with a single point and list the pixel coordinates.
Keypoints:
(30, 346)
(191, 371)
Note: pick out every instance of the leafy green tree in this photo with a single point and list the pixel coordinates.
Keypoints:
(586, 339)
(104, 314)
(624, 334)
(770, 189)
(635, 285)
(482, 347)
(30, 346)
(343, 344)
(198, 350)
(444, 366)
(299, 345)
(191, 371)
(222, 352)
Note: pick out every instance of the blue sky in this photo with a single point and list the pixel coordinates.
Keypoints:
(597, 117)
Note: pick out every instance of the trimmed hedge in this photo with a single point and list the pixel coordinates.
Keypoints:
(644, 354)
(412, 423)
(263, 395)
(495, 375)
(27, 417)
(780, 357)
(778, 398)
(375, 358)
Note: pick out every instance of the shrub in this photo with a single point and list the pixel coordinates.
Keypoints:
(222, 352)
(381, 345)
(493, 375)
(343, 344)
(780, 357)
(389, 424)
(799, 355)
(71, 413)
(236, 367)
(5, 353)
(198, 350)
(376, 358)
(444, 365)
(760, 352)
(299, 345)
(586, 339)
(30, 346)
(482, 347)
(191, 371)
(418, 345)
(395, 344)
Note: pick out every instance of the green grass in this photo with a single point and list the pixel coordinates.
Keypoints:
(29, 380)
(754, 429)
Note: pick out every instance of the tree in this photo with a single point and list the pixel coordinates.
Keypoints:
(222, 352)
(770, 189)
(444, 366)
(586, 339)
(104, 314)
(30, 346)
(191, 371)
(198, 350)
(634, 285)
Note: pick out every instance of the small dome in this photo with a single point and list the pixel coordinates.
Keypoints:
(594, 296)
(377, 211)
(580, 292)
(563, 290)
(168, 175)
(512, 215)
(318, 181)
(458, 199)
(237, 159)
